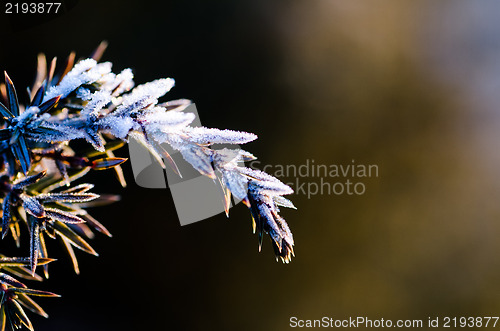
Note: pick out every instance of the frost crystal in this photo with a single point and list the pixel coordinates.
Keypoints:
(84, 72)
(159, 120)
(149, 91)
(97, 101)
(118, 84)
(206, 136)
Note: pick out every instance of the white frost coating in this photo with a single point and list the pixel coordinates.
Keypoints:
(58, 133)
(28, 114)
(271, 188)
(126, 112)
(264, 182)
(143, 96)
(274, 232)
(83, 93)
(84, 72)
(196, 156)
(158, 119)
(283, 202)
(257, 174)
(134, 107)
(117, 126)
(97, 101)
(202, 135)
(118, 84)
(138, 114)
(236, 183)
(174, 139)
(152, 90)
(39, 120)
(230, 158)
(126, 80)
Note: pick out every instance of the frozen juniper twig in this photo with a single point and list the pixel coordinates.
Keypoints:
(39, 162)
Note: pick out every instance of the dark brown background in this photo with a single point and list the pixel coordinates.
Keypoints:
(410, 86)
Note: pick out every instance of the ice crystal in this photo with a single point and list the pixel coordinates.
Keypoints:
(84, 72)
(152, 90)
(204, 136)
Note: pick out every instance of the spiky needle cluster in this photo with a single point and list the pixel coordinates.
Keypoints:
(39, 160)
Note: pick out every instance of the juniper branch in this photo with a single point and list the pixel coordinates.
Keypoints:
(38, 164)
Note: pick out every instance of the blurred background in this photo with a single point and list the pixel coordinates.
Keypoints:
(411, 86)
